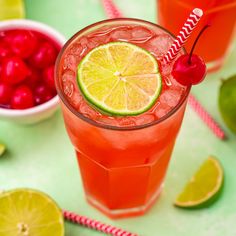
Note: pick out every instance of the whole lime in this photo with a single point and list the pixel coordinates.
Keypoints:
(227, 102)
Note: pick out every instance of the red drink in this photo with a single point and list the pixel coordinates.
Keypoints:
(123, 160)
(220, 14)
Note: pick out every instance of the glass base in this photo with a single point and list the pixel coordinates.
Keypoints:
(128, 212)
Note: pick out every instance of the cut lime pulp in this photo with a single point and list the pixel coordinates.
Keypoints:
(120, 78)
(26, 212)
(203, 186)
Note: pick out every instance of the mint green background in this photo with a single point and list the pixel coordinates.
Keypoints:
(41, 156)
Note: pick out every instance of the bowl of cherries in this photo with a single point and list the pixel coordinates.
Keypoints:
(28, 51)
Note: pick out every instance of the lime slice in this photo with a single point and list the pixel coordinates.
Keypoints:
(11, 9)
(120, 78)
(204, 185)
(27, 212)
(2, 149)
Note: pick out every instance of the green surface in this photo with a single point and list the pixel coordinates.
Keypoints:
(42, 157)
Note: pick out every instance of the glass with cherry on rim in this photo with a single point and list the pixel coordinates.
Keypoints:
(27, 61)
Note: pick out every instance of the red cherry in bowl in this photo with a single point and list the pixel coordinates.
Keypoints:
(44, 56)
(189, 74)
(22, 98)
(14, 70)
(190, 69)
(42, 94)
(4, 51)
(5, 93)
(33, 78)
(48, 76)
(23, 42)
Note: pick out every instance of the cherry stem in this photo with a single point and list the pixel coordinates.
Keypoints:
(195, 42)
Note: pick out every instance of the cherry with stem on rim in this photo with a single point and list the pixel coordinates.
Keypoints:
(190, 69)
(195, 42)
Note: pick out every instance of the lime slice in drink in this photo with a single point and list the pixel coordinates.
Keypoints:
(2, 149)
(12, 9)
(120, 78)
(27, 212)
(204, 185)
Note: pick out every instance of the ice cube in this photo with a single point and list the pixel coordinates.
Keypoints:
(68, 75)
(83, 41)
(68, 88)
(121, 35)
(76, 49)
(88, 111)
(107, 120)
(161, 110)
(71, 62)
(144, 119)
(159, 45)
(126, 121)
(170, 97)
(141, 34)
(76, 100)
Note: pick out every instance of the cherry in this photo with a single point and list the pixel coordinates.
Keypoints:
(14, 70)
(4, 51)
(187, 74)
(42, 94)
(33, 78)
(5, 93)
(48, 76)
(22, 98)
(23, 42)
(190, 69)
(44, 56)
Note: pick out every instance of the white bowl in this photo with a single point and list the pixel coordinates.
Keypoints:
(47, 109)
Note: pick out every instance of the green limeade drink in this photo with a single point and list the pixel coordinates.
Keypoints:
(123, 158)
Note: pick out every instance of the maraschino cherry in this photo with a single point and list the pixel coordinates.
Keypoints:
(190, 69)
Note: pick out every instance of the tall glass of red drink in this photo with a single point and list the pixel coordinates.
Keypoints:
(220, 14)
(122, 160)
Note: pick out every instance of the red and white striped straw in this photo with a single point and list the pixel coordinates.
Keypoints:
(94, 224)
(112, 12)
(184, 33)
(206, 117)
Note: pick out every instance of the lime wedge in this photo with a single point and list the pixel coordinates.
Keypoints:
(204, 185)
(26, 212)
(2, 149)
(120, 78)
(12, 9)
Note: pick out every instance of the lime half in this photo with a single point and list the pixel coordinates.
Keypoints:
(27, 212)
(12, 9)
(120, 78)
(204, 185)
(2, 149)
(227, 102)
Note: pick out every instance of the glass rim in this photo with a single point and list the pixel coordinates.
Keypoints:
(107, 126)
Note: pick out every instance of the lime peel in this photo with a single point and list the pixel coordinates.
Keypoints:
(2, 149)
(227, 102)
(120, 78)
(204, 186)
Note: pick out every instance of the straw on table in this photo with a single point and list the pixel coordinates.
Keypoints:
(112, 12)
(97, 225)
